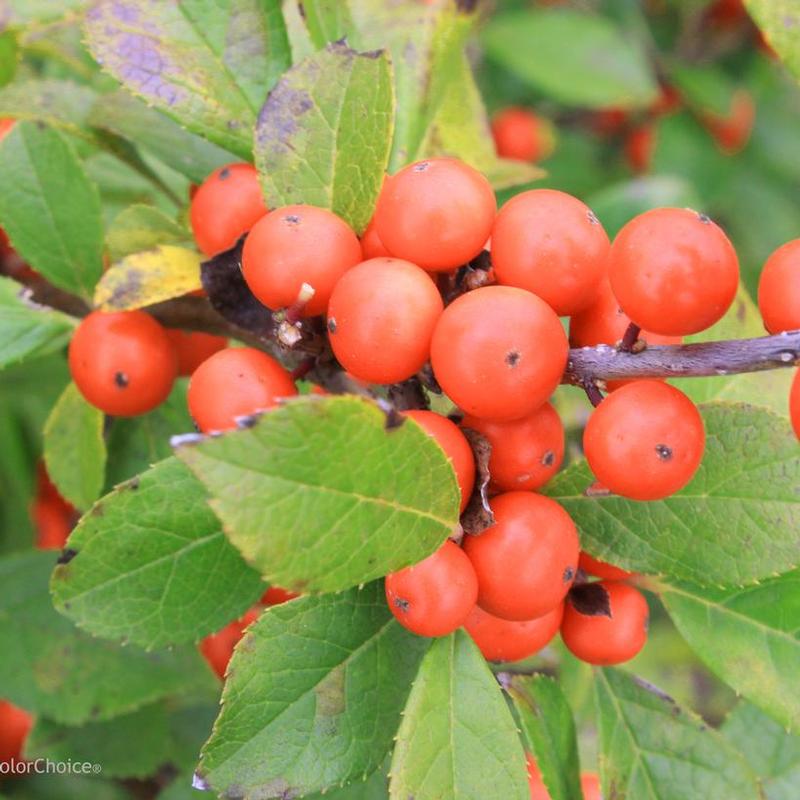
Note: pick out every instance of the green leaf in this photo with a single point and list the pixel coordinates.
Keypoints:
(207, 65)
(457, 738)
(575, 58)
(651, 749)
(136, 443)
(141, 227)
(61, 104)
(53, 669)
(8, 56)
(74, 448)
(773, 754)
(323, 494)
(326, 20)
(549, 728)
(769, 389)
(376, 787)
(333, 670)
(153, 566)
(779, 20)
(737, 521)
(324, 134)
(750, 637)
(24, 12)
(50, 209)
(129, 746)
(28, 330)
(124, 115)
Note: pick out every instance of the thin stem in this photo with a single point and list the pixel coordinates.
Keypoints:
(629, 339)
(593, 393)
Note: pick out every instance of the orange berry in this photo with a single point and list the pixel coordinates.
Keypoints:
(192, 349)
(600, 569)
(217, 648)
(522, 135)
(779, 289)
(508, 640)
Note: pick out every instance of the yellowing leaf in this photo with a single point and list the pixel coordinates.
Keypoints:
(150, 277)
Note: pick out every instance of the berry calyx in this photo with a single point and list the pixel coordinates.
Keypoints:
(234, 383)
(193, 348)
(225, 206)
(527, 560)
(499, 352)
(521, 134)
(436, 213)
(551, 244)
(217, 648)
(455, 445)
(123, 362)
(508, 640)
(601, 569)
(779, 289)
(435, 596)
(381, 318)
(645, 441)
(526, 452)
(794, 404)
(15, 725)
(673, 271)
(605, 623)
(296, 246)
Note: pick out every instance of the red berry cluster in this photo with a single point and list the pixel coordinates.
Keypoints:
(498, 352)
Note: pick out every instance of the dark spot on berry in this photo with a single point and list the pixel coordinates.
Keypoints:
(402, 604)
(421, 167)
(569, 574)
(512, 358)
(224, 174)
(292, 219)
(590, 599)
(331, 325)
(66, 556)
(592, 217)
(549, 458)
(664, 452)
(704, 218)
(121, 380)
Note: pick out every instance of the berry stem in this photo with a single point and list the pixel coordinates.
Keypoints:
(630, 338)
(593, 393)
(683, 361)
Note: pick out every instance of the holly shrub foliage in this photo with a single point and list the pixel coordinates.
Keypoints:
(120, 107)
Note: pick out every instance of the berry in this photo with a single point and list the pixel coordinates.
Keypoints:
(794, 404)
(590, 783)
(608, 121)
(371, 244)
(600, 569)
(274, 596)
(51, 514)
(645, 441)
(606, 636)
(435, 596)
(779, 289)
(227, 204)
(298, 245)
(6, 124)
(527, 560)
(551, 244)
(732, 131)
(506, 640)
(15, 724)
(604, 322)
(192, 349)
(499, 352)
(436, 213)
(640, 144)
(526, 452)
(455, 446)
(673, 271)
(233, 383)
(123, 363)
(381, 319)
(218, 647)
(522, 135)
